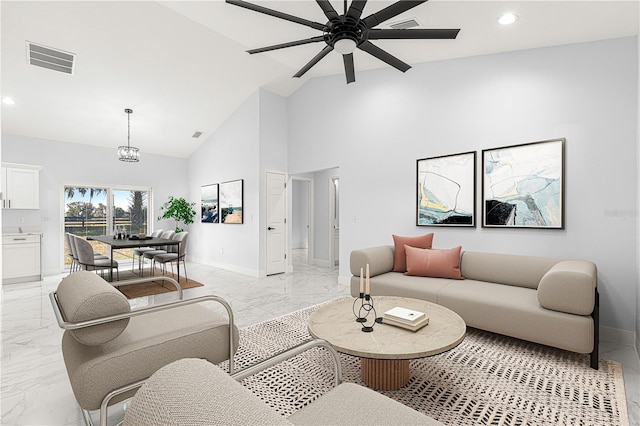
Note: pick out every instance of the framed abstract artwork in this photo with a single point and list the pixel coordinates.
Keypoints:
(446, 190)
(210, 206)
(231, 200)
(523, 185)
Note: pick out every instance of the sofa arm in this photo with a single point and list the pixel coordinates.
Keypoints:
(569, 286)
(380, 260)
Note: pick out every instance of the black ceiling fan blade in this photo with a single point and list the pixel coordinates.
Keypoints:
(356, 8)
(421, 34)
(289, 44)
(277, 14)
(328, 10)
(348, 68)
(324, 52)
(374, 50)
(390, 11)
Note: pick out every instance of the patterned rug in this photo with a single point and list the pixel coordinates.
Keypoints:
(488, 379)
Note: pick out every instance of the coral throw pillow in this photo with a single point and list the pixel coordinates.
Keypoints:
(434, 263)
(400, 260)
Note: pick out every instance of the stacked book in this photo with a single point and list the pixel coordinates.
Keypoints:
(405, 318)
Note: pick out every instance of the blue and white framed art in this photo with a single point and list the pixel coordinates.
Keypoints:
(523, 185)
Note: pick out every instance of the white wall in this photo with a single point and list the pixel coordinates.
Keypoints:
(252, 141)
(300, 214)
(321, 215)
(229, 154)
(67, 163)
(381, 124)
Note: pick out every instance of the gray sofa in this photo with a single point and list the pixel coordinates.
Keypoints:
(545, 300)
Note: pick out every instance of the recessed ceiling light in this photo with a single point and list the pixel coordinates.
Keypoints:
(8, 101)
(507, 18)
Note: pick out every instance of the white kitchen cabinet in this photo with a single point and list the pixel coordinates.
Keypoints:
(21, 258)
(20, 186)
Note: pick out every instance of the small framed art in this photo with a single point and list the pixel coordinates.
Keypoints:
(523, 186)
(210, 206)
(446, 190)
(231, 201)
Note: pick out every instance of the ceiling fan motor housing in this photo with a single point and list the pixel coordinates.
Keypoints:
(345, 27)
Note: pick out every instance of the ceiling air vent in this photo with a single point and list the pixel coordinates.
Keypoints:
(403, 25)
(50, 58)
(196, 135)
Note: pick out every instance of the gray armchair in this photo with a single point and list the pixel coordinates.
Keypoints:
(142, 250)
(88, 260)
(193, 392)
(171, 256)
(158, 250)
(109, 349)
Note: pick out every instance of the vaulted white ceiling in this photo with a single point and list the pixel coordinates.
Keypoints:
(182, 66)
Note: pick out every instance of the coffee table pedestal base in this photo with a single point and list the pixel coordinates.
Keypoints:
(384, 374)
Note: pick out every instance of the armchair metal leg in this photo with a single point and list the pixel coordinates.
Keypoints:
(87, 417)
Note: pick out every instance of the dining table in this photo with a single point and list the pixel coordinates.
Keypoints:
(134, 241)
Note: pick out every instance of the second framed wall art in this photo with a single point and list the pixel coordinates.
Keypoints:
(523, 186)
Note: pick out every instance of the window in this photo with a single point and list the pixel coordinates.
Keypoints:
(90, 210)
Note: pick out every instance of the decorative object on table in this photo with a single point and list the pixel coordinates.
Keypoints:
(179, 210)
(405, 318)
(446, 190)
(209, 205)
(129, 154)
(231, 201)
(344, 33)
(366, 304)
(523, 186)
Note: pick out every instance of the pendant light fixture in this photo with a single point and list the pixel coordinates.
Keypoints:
(128, 153)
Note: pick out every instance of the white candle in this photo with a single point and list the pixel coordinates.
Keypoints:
(368, 283)
(361, 281)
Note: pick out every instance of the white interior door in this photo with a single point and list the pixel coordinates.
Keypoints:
(275, 237)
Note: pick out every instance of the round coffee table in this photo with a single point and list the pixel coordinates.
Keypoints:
(385, 353)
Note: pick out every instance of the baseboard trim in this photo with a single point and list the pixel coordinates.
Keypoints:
(321, 262)
(617, 336)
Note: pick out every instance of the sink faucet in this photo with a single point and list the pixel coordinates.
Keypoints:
(20, 229)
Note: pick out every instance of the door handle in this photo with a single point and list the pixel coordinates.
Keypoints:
(270, 229)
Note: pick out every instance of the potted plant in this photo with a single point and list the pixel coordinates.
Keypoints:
(179, 210)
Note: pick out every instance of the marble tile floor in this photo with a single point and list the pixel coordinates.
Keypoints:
(33, 382)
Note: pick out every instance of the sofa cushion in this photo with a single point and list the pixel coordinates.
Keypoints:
(84, 296)
(400, 258)
(569, 286)
(398, 284)
(380, 260)
(351, 404)
(515, 311)
(434, 263)
(509, 269)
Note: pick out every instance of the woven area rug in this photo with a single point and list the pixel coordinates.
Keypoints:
(488, 379)
(154, 287)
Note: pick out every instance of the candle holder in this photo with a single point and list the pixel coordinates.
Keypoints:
(365, 308)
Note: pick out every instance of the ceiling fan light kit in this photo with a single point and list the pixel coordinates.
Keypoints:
(349, 31)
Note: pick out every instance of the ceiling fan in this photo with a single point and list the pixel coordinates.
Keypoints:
(344, 33)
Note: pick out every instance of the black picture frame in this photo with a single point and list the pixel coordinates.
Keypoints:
(209, 204)
(232, 202)
(523, 185)
(446, 190)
